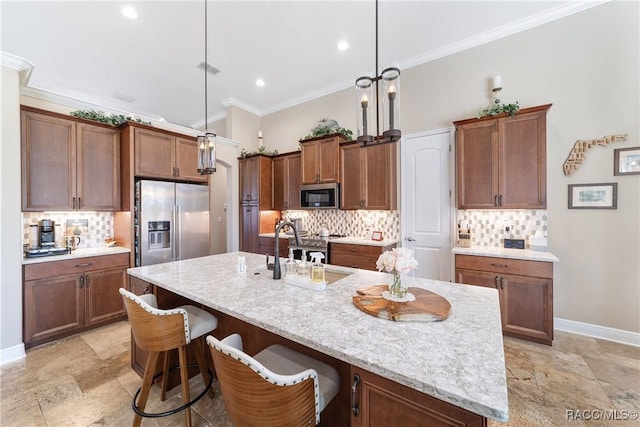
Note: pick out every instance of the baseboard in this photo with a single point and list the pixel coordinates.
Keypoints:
(12, 354)
(597, 331)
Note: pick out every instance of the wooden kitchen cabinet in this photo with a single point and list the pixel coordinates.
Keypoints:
(379, 402)
(525, 289)
(501, 161)
(166, 156)
(68, 164)
(320, 159)
(256, 181)
(249, 228)
(286, 182)
(268, 244)
(65, 297)
(368, 176)
(356, 256)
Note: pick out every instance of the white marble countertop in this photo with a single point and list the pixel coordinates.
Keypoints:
(79, 253)
(459, 360)
(524, 254)
(352, 240)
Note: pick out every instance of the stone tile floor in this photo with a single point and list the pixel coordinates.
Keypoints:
(86, 380)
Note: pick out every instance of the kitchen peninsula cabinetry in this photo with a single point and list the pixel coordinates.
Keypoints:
(268, 244)
(320, 159)
(379, 402)
(255, 195)
(526, 292)
(286, 182)
(501, 161)
(68, 164)
(166, 156)
(368, 176)
(356, 256)
(65, 297)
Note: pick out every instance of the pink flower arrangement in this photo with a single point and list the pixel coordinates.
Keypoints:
(397, 260)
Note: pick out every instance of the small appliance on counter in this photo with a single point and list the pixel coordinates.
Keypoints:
(464, 236)
(42, 240)
(47, 233)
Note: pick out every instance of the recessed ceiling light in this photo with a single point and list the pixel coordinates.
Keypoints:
(129, 12)
(259, 82)
(343, 45)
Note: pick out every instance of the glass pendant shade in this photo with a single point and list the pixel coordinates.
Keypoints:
(391, 103)
(366, 106)
(207, 153)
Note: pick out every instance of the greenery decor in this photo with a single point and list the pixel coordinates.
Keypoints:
(498, 108)
(328, 127)
(99, 116)
(261, 150)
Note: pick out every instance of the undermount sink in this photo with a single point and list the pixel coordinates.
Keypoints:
(331, 276)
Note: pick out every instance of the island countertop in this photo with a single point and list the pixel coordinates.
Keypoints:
(459, 360)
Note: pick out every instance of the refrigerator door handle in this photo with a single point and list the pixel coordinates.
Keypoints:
(178, 233)
(174, 235)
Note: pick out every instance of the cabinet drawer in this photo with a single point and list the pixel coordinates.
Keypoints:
(353, 261)
(505, 266)
(361, 250)
(72, 266)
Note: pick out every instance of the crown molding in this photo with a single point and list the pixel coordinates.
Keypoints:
(21, 65)
(246, 107)
(200, 124)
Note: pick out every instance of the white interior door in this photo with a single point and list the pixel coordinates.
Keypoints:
(426, 201)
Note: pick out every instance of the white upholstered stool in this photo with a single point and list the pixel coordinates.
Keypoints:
(159, 331)
(277, 386)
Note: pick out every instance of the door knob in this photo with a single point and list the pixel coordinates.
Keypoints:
(409, 239)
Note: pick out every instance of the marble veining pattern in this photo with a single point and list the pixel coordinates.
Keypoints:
(498, 252)
(459, 360)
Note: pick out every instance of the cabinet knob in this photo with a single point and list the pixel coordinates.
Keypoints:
(79, 202)
(502, 283)
(495, 282)
(500, 200)
(354, 391)
(495, 200)
(82, 281)
(87, 281)
(74, 203)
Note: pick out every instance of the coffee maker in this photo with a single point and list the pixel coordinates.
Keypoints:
(47, 233)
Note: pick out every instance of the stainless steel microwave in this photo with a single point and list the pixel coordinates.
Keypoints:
(320, 196)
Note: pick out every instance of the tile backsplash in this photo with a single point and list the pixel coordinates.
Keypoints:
(350, 223)
(92, 227)
(488, 227)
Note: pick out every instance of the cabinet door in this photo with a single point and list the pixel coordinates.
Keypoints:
(382, 403)
(52, 307)
(102, 297)
(187, 161)
(98, 168)
(379, 176)
(279, 183)
(48, 162)
(477, 165)
(523, 160)
(292, 193)
(309, 160)
(248, 179)
(329, 160)
(154, 154)
(249, 228)
(478, 278)
(528, 311)
(351, 177)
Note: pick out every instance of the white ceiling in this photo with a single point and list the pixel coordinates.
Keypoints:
(87, 52)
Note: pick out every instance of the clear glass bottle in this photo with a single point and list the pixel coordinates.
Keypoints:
(291, 267)
(304, 268)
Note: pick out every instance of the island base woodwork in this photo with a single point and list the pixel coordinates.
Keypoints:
(382, 402)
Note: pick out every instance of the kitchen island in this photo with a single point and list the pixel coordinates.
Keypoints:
(457, 363)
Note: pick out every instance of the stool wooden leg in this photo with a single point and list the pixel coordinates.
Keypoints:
(149, 372)
(165, 375)
(184, 379)
(202, 364)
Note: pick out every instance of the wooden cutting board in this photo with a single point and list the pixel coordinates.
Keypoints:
(427, 307)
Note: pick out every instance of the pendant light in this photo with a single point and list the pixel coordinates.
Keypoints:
(367, 92)
(207, 142)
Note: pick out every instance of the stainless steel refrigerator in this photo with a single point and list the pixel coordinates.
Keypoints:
(171, 221)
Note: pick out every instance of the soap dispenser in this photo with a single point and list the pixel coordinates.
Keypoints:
(303, 267)
(291, 267)
(317, 267)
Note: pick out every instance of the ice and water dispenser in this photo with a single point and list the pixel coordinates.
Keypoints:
(159, 234)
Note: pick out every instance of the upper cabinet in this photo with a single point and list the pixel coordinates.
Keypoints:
(68, 164)
(286, 182)
(256, 181)
(368, 176)
(163, 155)
(320, 159)
(501, 161)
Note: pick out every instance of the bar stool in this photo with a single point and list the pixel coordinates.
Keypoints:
(159, 331)
(276, 387)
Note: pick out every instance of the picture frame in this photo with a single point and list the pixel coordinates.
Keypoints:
(376, 235)
(593, 196)
(626, 161)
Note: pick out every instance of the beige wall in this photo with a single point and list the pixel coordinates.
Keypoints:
(10, 218)
(587, 66)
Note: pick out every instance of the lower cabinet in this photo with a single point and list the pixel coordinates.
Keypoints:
(65, 297)
(267, 246)
(379, 402)
(525, 288)
(356, 256)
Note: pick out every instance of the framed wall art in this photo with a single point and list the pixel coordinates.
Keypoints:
(626, 161)
(593, 196)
